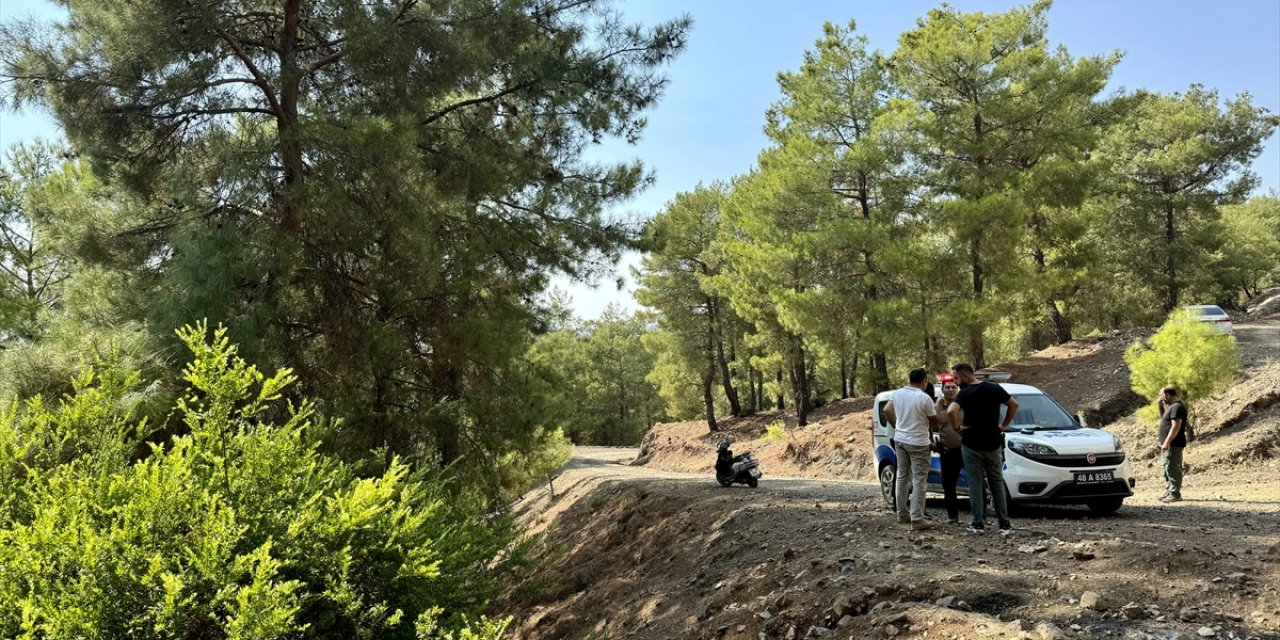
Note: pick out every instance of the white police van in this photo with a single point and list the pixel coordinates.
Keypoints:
(1048, 456)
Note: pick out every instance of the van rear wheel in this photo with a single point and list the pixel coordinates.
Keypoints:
(888, 474)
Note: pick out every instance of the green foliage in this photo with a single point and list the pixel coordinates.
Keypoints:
(32, 274)
(775, 431)
(1004, 123)
(1186, 354)
(971, 196)
(370, 195)
(1172, 162)
(597, 388)
(699, 329)
(523, 469)
(1248, 262)
(239, 528)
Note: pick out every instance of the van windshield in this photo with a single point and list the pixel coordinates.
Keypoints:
(1037, 412)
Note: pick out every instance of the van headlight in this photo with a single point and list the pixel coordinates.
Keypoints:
(1115, 439)
(1031, 448)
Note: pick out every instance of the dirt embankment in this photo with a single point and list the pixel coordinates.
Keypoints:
(661, 551)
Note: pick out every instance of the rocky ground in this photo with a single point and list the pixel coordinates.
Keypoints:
(660, 551)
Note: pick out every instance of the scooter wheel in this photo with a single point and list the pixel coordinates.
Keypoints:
(753, 483)
(724, 482)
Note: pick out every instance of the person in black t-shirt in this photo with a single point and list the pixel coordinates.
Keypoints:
(982, 441)
(1173, 439)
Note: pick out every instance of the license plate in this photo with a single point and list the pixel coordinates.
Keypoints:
(1095, 477)
(755, 473)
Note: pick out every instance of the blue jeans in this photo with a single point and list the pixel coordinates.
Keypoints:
(986, 466)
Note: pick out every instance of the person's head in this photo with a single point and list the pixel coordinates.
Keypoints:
(929, 390)
(964, 373)
(1168, 394)
(950, 388)
(917, 378)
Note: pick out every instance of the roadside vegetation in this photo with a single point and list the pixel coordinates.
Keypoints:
(1186, 354)
(369, 201)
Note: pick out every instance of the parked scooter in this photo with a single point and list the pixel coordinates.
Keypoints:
(741, 469)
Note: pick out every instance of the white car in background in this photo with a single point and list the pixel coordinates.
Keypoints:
(1212, 314)
(1048, 456)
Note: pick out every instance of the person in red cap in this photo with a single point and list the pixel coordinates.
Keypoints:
(948, 445)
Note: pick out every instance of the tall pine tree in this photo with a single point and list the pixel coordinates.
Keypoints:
(368, 192)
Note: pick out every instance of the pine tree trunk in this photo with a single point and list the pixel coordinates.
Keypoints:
(879, 365)
(935, 358)
(730, 392)
(708, 377)
(1170, 264)
(781, 404)
(800, 371)
(881, 368)
(759, 391)
(853, 372)
(287, 121)
(977, 350)
(1061, 330)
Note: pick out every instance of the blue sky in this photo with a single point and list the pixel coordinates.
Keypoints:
(708, 126)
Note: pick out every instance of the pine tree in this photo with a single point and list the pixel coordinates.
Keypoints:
(677, 280)
(829, 109)
(1175, 159)
(369, 193)
(994, 107)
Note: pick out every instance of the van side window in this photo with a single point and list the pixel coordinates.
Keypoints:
(880, 419)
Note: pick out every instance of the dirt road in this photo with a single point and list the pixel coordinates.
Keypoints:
(1259, 341)
(638, 553)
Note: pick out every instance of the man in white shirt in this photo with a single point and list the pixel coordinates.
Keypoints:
(912, 415)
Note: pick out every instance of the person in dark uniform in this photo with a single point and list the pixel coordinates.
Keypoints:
(1173, 439)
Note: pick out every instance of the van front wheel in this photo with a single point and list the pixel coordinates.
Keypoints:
(888, 474)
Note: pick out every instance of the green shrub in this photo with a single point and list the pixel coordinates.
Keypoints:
(521, 470)
(775, 431)
(241, 528)
(1185, 353)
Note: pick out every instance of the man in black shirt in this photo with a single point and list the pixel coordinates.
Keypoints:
(982, 442)
(1173, 439)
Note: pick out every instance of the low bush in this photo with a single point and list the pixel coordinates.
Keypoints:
(775, 431)
(1185, 353)
(241, 527)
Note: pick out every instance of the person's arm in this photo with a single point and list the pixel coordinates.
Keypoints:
(1008, 416)
(932, 412)
(889, 416)
(953, 416)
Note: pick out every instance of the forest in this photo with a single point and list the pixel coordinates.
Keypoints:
(277, 344)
